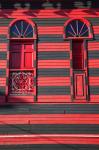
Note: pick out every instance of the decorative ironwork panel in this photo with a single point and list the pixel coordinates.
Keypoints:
(21, 82)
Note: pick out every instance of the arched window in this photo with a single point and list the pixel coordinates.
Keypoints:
(22, 29)
(22, 56)
(77, 28)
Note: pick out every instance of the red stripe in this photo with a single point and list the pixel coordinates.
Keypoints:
(93, 46)
(3, 63)
(94, 81)
(96, 29)
(54, 98)
(93, 63)
(54, 46)
(53, 81)
(94, 98)
(54, 64)
(51, 30)
(3, 46)
(4, 30)
(2, 81)
(49, 139)
(50, 119)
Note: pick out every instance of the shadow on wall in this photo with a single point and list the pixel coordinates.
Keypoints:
(43, 4)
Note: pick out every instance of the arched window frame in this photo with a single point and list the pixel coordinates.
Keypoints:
(86, 22)
(29, 22)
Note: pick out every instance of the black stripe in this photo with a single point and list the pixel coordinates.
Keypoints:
(94, 90)
(50, 109)
(54, 72)
(53, 90)
(5, 21)
(96, 37)
(49, 129)
(57, 146)
(40, 22)
(93, 72)
(3, 55)
(3, 38)
(50, 38)
(53, 38)
(93, 54)
(2, 90)
(53, 55)
(48, 21)
(94, 21)
(2, 72)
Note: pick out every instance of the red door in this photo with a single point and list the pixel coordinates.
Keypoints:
(79, 74)
(21, 69)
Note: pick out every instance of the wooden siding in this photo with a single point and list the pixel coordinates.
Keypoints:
(54, 57)
(53, 52)
(54, 121)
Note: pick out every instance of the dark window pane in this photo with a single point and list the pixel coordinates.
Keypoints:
(21, 29)
(77, 28)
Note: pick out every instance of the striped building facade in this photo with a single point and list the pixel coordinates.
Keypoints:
(53, 62)
(50, 118)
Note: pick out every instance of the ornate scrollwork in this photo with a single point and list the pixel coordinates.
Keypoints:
(21, 82)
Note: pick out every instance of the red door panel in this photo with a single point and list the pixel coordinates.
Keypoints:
(28, 56)
(28, 47)
(28, 60)
(79, 85)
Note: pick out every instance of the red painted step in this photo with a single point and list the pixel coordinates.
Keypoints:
(50, 119)
(49, 139)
